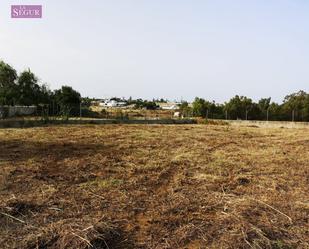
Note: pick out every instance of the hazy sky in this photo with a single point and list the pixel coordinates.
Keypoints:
(163, 48)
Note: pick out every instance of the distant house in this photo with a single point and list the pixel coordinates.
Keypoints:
(102, 104)
(112, 103)
(168, 106)
(96, 102)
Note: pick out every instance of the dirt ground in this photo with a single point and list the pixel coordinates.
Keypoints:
(154, 186)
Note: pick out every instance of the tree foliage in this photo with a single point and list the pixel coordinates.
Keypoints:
(68, 99)
(25, 89)
(145, 104)
(29, 92)
(8, 87)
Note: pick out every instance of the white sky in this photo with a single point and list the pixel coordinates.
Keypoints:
(163, 48)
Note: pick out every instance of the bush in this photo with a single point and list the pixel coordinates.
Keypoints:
(104, 113)
(90, 114)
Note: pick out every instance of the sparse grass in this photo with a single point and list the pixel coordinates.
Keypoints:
(154, 186)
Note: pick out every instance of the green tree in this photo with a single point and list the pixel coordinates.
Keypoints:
(8, 87)
(297, 104)
(263, 106)
(207, 109)
(29, 91)
(149, 105)
(199, 107)
(45, 95)
(239, 107)
(68, 99)
(275, 112)
(185, 109)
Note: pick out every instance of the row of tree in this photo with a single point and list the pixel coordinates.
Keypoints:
(24, 89)
(295, 107)
(143, 104)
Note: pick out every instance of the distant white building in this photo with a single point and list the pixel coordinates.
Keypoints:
(168, 106)
(112, 103)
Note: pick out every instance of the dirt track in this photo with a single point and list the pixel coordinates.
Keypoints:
(154, 186)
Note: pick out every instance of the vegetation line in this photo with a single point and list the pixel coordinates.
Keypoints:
(25, 89)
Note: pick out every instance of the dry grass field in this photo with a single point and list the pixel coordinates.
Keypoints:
(154, 186)
(132, 113)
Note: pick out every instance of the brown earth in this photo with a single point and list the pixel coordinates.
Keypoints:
(154, 186)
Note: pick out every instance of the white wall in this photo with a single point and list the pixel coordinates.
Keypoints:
(12, 111)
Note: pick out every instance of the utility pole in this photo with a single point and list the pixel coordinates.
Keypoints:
(225, 114)
(80, 109)
(267, 113)
(293, 118)
(246, 114)
(302, 115)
